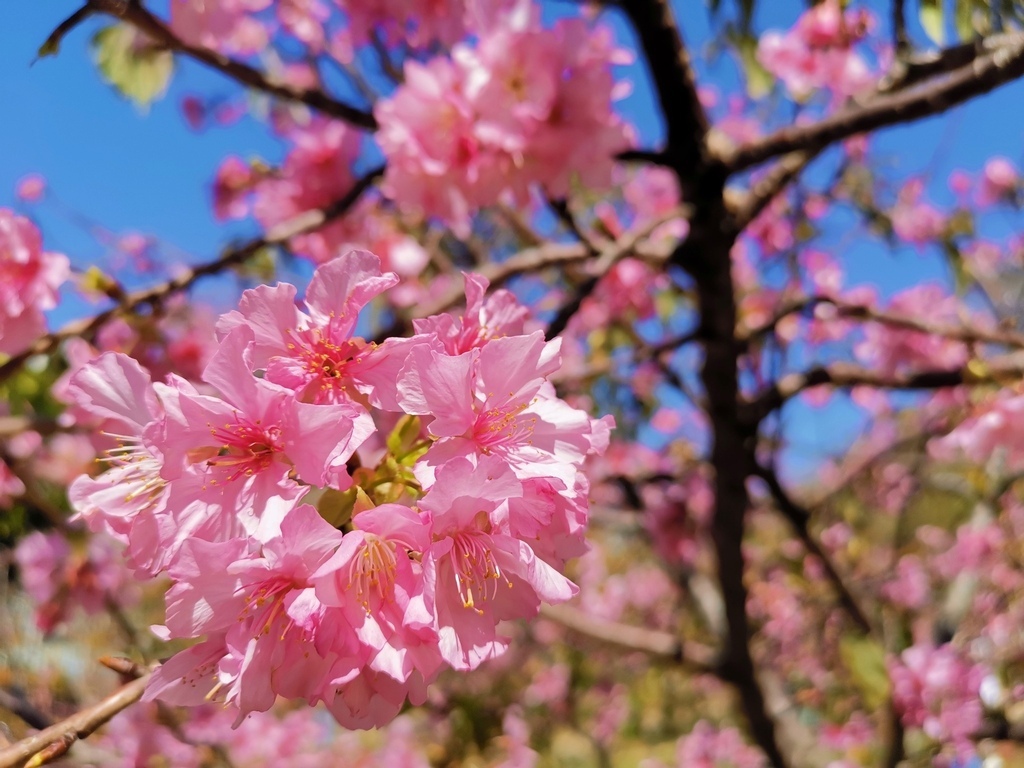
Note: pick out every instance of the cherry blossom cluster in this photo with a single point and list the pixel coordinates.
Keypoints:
(524, 106)
(937, 690)
(708, 746)
(244, 27)
(57, 579)
(29, 279)
(296, 739)
(323, 543)
(819, 51)
(227, 25)
(316, 173)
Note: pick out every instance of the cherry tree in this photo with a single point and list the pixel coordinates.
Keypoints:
(490, 453)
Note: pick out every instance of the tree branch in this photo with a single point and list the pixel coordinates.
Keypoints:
(279, 235)
(968, 334)
(799, 517)
(843, 374)
(52, 742)
(901, 42)
(911, 69)
(775, 180)
(154, 28)
(540, 257)
(980, 76)
(14, 701)
(705, 254)
(604, 261)
(674, 80)
(651, 641)
(52, 44)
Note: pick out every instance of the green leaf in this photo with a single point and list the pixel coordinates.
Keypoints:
(963, 19)
(403, 437)
(865, 660)
(130, 62)
(972, 18)
(261, 267)
(336, 507)
(759, 80)
(933, 20)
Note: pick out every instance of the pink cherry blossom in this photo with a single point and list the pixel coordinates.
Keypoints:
(894, 349)
(999, 181)
(491, 125)
(314, 353)
(232, 185)
(423, 22)
(11, 486)
(493, 399)
(910, 588)
(117, 393)
(58, 581)
(223, 25)
(304, 20)
(382, 591)
(264, 608)
(707, 746)
(31, 188)
(485, 318)
(937, 690)
(517, 742)
(29, 279)
(653, 193)
(914, 220)
(248, 441)
(481, 574)
(206, 483)
(818, 52)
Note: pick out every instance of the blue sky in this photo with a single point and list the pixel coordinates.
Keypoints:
(150, 173)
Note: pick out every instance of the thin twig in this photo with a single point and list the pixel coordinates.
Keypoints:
(561, 209)
(901, 42)
(968, 334)
(842, 374)
(51, 743)
(14, 701)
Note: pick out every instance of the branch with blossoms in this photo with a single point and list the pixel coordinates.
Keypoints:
(281, 234)
(135, 14)
(419, 568)
(979, 76)
(969, 334)
(554, 254)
